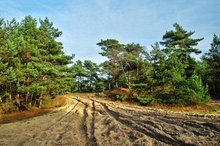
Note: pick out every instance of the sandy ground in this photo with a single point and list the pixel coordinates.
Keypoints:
(87, 120)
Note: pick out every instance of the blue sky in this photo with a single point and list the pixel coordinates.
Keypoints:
(86, 22)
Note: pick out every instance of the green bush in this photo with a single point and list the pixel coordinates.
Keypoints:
(120, 97)
(196, 91)
(188, 92)
(148, 100)
(100, 87)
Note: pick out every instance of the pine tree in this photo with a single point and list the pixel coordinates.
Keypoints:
(124, 63)
(181, 41)
(33, 65)
(113, 50)
(79, 73)
(212, 58)
(92, 74)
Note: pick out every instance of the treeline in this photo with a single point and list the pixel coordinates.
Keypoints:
(168, 73)
(34, 68)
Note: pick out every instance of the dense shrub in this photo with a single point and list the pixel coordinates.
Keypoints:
(196, 91)
(148, 100)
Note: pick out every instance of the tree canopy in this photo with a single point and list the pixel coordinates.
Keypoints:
(212, 58)
(34, 67)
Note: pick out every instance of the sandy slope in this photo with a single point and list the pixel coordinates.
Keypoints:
(87, 120)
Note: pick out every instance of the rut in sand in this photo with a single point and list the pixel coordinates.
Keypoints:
(88, 120)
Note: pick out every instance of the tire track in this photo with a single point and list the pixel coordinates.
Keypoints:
(136, 137)
(84, 125)
(93, 138)
(150, 132)
(89, 122)
(190, 125)
(176, 124)
(60, 119)
(112, 131)
(47, 128)
(54, 124)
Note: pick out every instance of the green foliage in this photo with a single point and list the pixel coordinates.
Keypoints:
(32, 63)
(33, 67)
(180, 41)
(99, 87)
(212, 60)
(124, 62)
(147, 100)
(138, 86)
(120, 97)
(87, 76)
(169, 74)
(196, 91)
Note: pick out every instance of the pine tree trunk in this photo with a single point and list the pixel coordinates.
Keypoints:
(214, 89)
(128, 79)
(18, 85)
(27, 84)
(31, 99)
(18, 99)
(41, 100)
(108, 82)
(28, 75)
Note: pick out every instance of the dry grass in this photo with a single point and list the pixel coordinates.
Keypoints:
(20, 115)
(202, 109)
(56, 102)
(33, 112)
(120, 91)
(212, 108)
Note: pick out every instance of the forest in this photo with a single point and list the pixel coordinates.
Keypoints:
(34, 68)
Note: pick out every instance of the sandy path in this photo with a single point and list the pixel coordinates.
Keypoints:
(87, 120)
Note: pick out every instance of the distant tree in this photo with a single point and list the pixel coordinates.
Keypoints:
(113, 50)
(107, 69)
(92, 70)
(79, 73)
(124, 63)
(132, 62)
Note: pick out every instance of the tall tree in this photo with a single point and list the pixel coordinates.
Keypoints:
(181, 40)
(157, 59)
(113, 50)
(33, 65)
(132, 62)
(124, 61)
(212, 58)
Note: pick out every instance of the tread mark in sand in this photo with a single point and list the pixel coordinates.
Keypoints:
(93, 138)
(85, 116)
(143, 130)
(90, 140)
(52, 125)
